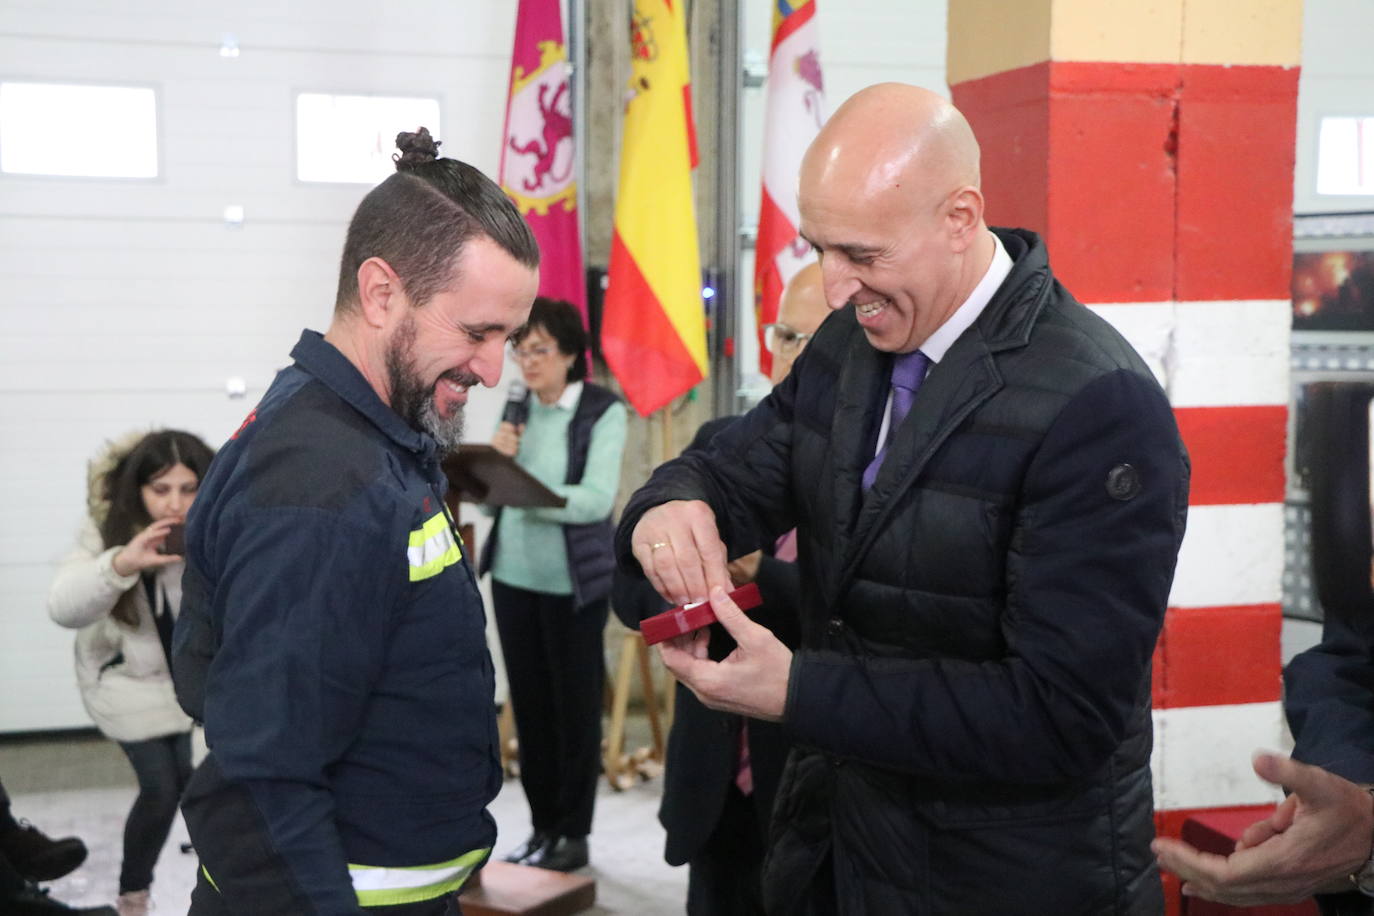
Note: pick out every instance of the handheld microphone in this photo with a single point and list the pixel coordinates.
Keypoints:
(517, 404)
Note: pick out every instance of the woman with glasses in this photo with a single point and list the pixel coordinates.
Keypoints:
(551, 577)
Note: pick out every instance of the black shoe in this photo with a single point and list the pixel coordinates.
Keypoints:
(37, 856)
(534, 845)
(34, 901)
(565, 853)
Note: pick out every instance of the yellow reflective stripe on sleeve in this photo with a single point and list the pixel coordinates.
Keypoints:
(432, 548)
(392, 886)
(206, 872)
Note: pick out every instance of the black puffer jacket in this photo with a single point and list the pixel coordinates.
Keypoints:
(972, 699)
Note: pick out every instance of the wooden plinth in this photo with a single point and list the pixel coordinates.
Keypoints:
(503, 889)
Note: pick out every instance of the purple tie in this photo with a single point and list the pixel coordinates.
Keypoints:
(908, 371)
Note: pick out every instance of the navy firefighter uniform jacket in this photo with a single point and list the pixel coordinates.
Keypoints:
(331, 639)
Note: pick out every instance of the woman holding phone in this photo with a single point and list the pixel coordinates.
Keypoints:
(121, 587)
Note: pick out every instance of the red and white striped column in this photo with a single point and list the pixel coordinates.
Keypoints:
(1152, 146)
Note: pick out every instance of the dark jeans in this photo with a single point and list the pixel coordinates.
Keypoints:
(11, 882)
(162, 765)
(555, 662)
(723, 878)
(7, 821)
(206, 901)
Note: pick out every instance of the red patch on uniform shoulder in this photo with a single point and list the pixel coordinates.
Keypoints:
(252, 415)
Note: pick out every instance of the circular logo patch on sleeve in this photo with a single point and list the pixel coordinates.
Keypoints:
(1123, 482)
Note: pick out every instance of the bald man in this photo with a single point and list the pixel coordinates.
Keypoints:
(801, 310)
(989, 493)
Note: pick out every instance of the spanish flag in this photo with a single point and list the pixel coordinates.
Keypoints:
(653, 327)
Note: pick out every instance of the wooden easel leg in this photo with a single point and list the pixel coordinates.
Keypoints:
(619, 704)
(669, 698)
(505, 730)
(646, 676)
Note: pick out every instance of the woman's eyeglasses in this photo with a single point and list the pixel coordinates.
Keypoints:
(782, 340)
(525, 354)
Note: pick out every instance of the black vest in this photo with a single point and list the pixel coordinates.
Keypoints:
(591, 559)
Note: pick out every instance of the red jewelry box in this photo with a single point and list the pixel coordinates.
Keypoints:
(691, 617)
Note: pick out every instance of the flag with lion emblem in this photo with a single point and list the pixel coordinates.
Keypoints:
(793, 114)
(538, 151)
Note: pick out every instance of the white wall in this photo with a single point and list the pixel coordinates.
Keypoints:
(1337, 79)
(128, 303)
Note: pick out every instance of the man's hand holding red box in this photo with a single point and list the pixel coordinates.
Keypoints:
(679, 548)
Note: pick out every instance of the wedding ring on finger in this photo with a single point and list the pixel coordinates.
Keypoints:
(656, 546)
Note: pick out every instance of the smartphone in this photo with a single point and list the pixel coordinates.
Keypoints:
(176, 540)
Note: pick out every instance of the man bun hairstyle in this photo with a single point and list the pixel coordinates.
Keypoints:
(416, 149)
(419, 219)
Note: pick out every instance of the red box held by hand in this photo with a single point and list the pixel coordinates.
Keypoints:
(689, 617)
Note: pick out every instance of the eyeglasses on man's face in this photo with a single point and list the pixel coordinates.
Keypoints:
(782, 340)
(525, 354)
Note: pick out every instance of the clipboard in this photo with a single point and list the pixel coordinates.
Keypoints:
(480, 474)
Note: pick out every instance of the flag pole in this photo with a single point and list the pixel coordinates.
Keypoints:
(669, 682)
(667, 444)
(577, 58)
(725, 304)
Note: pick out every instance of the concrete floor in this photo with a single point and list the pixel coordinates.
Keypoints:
(83, 785)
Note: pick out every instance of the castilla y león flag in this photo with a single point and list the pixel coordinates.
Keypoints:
(794, 110)
(538, 151)
(653, 329)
